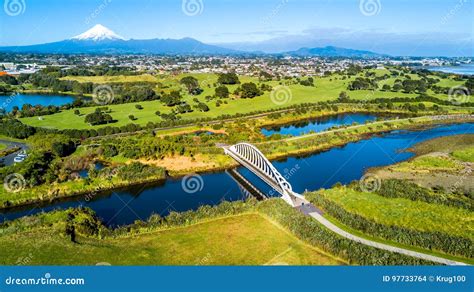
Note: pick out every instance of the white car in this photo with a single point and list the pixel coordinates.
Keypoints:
(22, 155)
(18, 159)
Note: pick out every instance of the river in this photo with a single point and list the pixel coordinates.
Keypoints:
(319, 170)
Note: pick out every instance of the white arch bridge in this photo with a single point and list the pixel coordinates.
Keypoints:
(250, 157)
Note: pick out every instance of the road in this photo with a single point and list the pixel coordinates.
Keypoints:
(8, 160)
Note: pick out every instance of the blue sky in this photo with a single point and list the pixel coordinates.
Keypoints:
(426, 27)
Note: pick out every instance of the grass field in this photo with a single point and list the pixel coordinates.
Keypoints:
(326, 88)
(239, 240)
(414, 215)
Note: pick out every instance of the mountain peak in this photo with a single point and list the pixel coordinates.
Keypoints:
(98, 33)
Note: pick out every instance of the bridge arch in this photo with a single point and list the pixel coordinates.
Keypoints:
(252, 158)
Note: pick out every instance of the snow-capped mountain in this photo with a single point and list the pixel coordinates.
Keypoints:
(101, 40)
(98, 33)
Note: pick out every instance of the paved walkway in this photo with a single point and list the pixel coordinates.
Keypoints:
(314, 212)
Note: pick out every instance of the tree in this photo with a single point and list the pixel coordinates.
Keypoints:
(63, 149)
(307, 82)
(228, 78)
(265, 76)
(362, 84)
(184, 108)
(77, 112)
(470, 85)
(110, 150)
(70, 228)
(202, 107)
(249, 90)
(222, 91)
(397, 87)
(409, 85)
(98, 118)
(353, 69)
(171, 99)
(16, 129)
(191, 84)
(386, 87)
(343, 97)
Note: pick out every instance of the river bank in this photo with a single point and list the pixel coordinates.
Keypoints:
(444, 163)
(175, 185)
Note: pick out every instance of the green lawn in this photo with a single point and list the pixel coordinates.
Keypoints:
(2, 146)
(326, 88)
(239, 240)
(414, 215)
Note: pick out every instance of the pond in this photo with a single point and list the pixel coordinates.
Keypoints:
(85, 172)
(7, 102)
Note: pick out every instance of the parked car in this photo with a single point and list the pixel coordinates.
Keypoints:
(20, 157)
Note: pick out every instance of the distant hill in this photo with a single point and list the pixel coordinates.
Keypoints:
(101, 40)
(331, 51)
